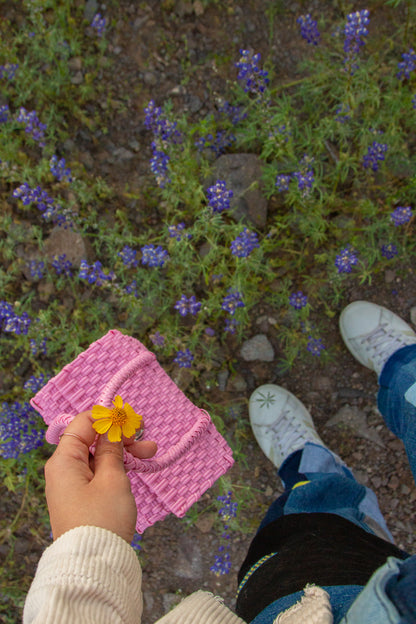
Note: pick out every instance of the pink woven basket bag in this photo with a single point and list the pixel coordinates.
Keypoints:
(191, 453)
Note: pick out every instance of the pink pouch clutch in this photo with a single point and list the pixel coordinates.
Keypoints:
(191, 453)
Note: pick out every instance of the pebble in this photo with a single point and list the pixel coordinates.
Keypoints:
(257, 348)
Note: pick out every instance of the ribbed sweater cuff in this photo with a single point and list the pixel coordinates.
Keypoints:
(201, 608)
(87, 575)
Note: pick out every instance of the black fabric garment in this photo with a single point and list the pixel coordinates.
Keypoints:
(319, 548)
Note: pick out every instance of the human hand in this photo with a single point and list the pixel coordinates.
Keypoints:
(83, 490)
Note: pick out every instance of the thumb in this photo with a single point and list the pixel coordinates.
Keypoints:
(108, 455)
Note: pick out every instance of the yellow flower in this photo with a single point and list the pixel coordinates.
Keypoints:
(117, 420)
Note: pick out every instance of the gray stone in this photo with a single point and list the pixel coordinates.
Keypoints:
(91, 8)
(257, 348)
(68, 242)
(77, 78)
(242, 174)
(150, 78)
(413, 315)
(236, 383)
(121, 153)
(354, 419)
(222, 379)
(189, 561)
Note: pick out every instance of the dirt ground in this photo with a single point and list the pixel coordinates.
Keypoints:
(176, 50)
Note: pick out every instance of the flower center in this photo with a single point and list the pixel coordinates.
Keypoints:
(118, 416)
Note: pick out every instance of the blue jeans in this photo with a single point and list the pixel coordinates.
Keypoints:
(316, 480)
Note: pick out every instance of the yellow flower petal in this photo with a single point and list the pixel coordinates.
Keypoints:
(98, 411)
(128, 429)
(114, 433)
(103, 425)
(118, 402)
(132, 417)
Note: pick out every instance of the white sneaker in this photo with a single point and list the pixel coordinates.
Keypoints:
(281, 423)
(373, 333)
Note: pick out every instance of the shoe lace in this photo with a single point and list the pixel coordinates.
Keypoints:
(286, 431)
(383, 342)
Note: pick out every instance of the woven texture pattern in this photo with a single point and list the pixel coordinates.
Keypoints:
(191, 453)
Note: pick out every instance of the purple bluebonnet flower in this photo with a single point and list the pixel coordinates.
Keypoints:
(4, 113)
(235, 114)
(159, 166)
(230, 325)
(217, 144)
(18, 434)
(35, 383)
(282, 182)
(187, 306)
(12, 322)
(33, 126)
(309, 29)
(209, 331)
(157, 339)
(62, 265)
(154, 256)
(94, 273)
(346, 260)
(280, 133)
(99, 24)
(128, 256)
(184, 359)
(342, 113)
(222, 564)
(401, 215)
(177, 231)
(305, 180)
(355, 30)
(253, 79)
(135, 544)
(36, 269)
(8, 70)
(414, 101)
(219, 197)
(298, 300)
(232, 301)
(315, 345)
(50, 211)
(407, 65)
(163, 129)
(228, 509)
(131, 289)
(38, 348)
(375, 153)
(389, 251)
(59, 170)
(244, 244)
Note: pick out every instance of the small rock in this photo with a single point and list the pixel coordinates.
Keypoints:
(121, 153)
(322, 384)
(389, 276)
(45, 290)
(394, 483)
(355, 419)
(64, 241)
(198, 8)
(413, 315)
(236, 383)
(222, 379)
(206, 522)
(150, 78)
(77, 78)
(257, 348)
(242, 174)
(91, 8)
(189, 560)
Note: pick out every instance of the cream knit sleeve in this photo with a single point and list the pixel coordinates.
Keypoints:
(88, 575)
